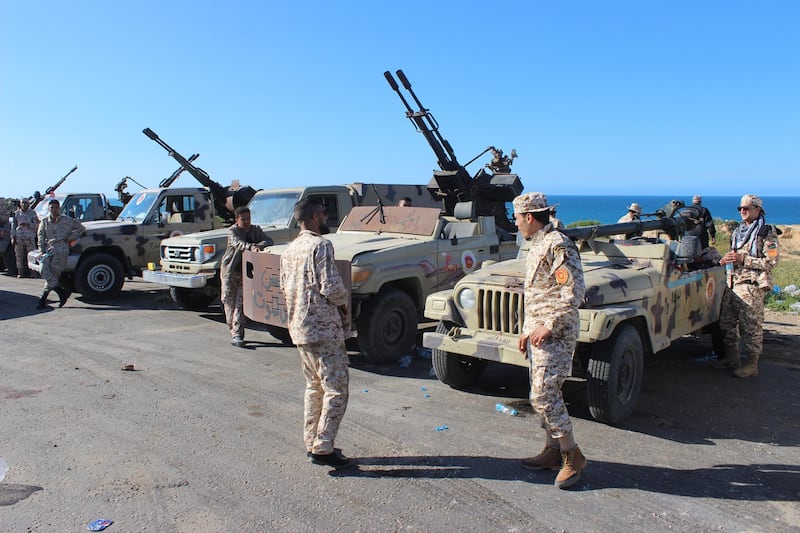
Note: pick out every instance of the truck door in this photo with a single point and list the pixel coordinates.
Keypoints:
(462, 249)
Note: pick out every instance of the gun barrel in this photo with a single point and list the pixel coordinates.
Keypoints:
(673, 226)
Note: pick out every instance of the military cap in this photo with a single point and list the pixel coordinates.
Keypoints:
(531, 202)
(752, 199)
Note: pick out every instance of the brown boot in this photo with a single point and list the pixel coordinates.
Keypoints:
(572, 464)
(549, 457)
(747, 371)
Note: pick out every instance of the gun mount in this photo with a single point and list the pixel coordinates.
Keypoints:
(38, 197)
(452, 183)
(226, 199)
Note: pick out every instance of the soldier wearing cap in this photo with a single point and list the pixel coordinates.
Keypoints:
(753, 253)
(554, 290)
(633, 215)
(23, 234)
(709, 231)
(54, 235)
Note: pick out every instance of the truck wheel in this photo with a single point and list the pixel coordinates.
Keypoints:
(279, 333)
(616, 367)
(99, 277)
(191, 299)
(387, 326)
(458, 371)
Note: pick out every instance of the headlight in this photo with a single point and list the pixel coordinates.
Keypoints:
(206, 252)
(466, 298)
(360, 275)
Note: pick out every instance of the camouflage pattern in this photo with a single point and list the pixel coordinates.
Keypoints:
(742, 313)
(314, 290)
(232, 288)
(54, 236)
(554, 289)
(26, 223)
(233, 302)
(327, 391)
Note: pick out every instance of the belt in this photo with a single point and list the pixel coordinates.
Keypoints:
(747, 282)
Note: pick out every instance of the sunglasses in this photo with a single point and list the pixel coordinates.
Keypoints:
(745, 207)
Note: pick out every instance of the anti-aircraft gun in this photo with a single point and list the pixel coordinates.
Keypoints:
(125, 196)
(226, 199)
(452, 184)
(38, 197)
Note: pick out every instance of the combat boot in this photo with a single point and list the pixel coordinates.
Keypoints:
(548, 458)
(727, 362)
(749, 370)
(43, 300)
(572, 464)
(63, 294)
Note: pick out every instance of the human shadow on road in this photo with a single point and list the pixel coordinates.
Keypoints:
(11, 493)
(760, 482)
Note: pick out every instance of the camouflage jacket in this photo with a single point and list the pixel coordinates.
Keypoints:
(313, 288)
(238, 242)
(757, 270)
(25, 224)
(53, 232)
(554, 284)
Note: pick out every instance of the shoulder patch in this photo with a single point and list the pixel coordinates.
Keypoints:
(562, 275)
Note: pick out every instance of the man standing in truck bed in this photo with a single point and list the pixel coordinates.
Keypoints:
(241, 236)
(314, 293)
(554, 289)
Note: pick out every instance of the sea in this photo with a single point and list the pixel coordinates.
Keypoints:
(608, 209)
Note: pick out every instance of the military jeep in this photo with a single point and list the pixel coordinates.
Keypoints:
(641, 295)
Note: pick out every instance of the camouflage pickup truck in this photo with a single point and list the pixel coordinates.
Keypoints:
(641, 295)
(190, 264)
(114, 249)
(398, 256)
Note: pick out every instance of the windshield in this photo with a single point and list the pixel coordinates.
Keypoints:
(138, 207)
(273, 209)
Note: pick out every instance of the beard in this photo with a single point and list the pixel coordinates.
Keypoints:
(324, 229)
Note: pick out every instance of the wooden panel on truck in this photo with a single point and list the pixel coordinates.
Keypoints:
(263, 298)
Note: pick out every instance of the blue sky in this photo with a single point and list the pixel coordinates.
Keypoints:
(597, 97)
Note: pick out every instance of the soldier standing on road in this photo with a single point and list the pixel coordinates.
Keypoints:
(55, 233)
(23, 235)
(753, 254)
(241, 236)
(554, 289)
(315, 294)
(709, 230)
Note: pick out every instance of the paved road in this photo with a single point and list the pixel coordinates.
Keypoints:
(203, 436)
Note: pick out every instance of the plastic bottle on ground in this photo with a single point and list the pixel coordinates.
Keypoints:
(506, 410)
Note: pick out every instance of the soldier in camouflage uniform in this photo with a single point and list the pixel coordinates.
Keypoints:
(554, 290)
(314, 293)
(23, 234)
(754, 253)
(55, 233)
(241, 236)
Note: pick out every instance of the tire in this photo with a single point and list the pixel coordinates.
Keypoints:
(279, 333)
(191, 299)
(616, 367)
(456, 370)
(387, 326)
(99, 277)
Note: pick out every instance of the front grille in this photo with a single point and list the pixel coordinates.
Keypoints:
(183, 254)
(500, 311)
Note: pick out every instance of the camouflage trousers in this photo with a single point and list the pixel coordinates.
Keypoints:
(742, 317)
(23, 245)
(233, 304)
(53, 265)
(550, 366)
(327, 391)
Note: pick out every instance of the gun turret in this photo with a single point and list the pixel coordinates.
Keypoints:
(668, 219)
(225, 199)
(38, 197)
(453, 184)
(124, 196)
